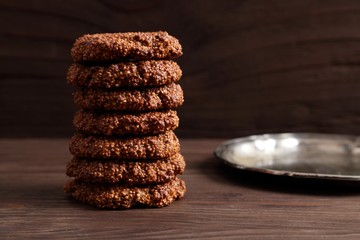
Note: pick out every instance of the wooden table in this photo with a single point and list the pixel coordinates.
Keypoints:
(221, 203)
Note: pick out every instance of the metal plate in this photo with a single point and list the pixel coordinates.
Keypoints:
(307, 155)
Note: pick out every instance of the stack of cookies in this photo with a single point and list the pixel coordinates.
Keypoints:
(125, 151)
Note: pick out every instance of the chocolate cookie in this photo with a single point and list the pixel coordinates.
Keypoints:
(146, 147)
(127, 172)
(111, 47)
(124, 74)
(144, 99)
(117, 196)
(123, 124)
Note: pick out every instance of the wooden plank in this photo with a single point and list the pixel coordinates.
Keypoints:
(248, 66)
(220, 202)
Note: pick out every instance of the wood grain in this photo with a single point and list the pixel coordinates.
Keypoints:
(220, 203)
(248, 66)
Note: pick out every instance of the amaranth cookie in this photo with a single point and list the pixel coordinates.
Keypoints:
(127, 172)
(118, 196)
(143, 99)
(110, 47)
(125, 123)
(142, 147)
(124, 74)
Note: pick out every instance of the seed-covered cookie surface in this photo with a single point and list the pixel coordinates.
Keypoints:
(117, 196)
(143, 99)
(145, 147)
(110, 124)
(124, 74)
(117, 47)
(126, 171)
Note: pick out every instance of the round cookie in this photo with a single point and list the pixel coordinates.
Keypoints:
(111, 47)
(117, 196)
(126, 172)
(125, 124)
(143, 99)
(145, 147)
(124, 74)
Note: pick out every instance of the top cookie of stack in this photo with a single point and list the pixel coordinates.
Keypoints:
(115, 47)
(127, 90)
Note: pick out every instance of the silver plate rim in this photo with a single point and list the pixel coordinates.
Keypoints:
(305, 175)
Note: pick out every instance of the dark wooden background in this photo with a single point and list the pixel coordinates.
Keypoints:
(248, 66)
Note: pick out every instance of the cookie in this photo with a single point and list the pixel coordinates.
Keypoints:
(145, 147)
(125, 124)
(127, 172)
(124, 74)
(144, 99)
(114, 47)
(117, 196)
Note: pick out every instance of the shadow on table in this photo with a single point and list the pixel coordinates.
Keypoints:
(287, 184)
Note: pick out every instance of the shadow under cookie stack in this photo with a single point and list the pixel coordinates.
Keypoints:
(125, 151)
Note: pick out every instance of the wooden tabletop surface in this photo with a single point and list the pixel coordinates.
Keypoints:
(221, 203)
